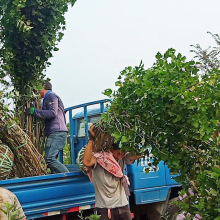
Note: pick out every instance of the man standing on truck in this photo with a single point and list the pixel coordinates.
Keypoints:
(55, 126)
(109, 182)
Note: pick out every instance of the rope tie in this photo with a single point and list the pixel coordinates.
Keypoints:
(5, 162)
(22, 145)
(5, 127)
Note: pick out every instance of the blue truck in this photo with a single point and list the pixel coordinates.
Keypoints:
(59, 196)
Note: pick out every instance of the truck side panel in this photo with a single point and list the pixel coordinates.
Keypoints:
(140, 180)
(42, 194)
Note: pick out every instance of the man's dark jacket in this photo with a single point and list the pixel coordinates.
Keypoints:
(53, 114)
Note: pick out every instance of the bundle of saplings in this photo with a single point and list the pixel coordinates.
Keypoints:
(27, 160)
(6, 161)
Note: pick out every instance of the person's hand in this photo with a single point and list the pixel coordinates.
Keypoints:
(29, 111)
(91, 132)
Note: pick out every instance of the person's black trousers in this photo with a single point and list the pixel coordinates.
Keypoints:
(120, 213)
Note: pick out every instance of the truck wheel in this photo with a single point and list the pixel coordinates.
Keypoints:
(172, 212)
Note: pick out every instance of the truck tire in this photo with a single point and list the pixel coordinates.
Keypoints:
(172, 211)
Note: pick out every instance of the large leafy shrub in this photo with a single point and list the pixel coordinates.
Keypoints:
(169, 108)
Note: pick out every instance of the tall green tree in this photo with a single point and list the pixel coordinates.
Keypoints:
(30, 31)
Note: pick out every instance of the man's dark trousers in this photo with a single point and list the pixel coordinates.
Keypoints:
(120, 213)
(54, 144)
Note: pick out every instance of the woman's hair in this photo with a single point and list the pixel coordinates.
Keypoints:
(103, 139)
(115, 146)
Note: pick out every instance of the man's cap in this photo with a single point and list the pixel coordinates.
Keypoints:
(47, 85)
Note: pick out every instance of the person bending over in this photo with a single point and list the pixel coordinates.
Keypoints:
(111, 186)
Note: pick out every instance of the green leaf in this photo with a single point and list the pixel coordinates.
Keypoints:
(108, 92)
(116, 135)
(147, 170)
(124, 139)
(196, 124)
(148, 84)
(158, 56)
(39, 87)
(118, 83)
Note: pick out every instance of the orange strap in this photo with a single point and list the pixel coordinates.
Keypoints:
(109, 214)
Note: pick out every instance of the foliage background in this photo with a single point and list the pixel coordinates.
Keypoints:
(175, 110)
(166, 106)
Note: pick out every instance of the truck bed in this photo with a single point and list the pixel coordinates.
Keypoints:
(52, 194)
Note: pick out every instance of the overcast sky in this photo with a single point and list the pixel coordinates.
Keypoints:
(103, 37)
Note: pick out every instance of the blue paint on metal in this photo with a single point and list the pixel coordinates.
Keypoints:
(91, 112)
(151, 187)
(88, 104)
(151, 195)
(61, 156)
(73, 148)
(48, 193)
(86, 117)
(78, 143)
(170, 178)
(102, 107)
(140, 180)
(72, 137)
